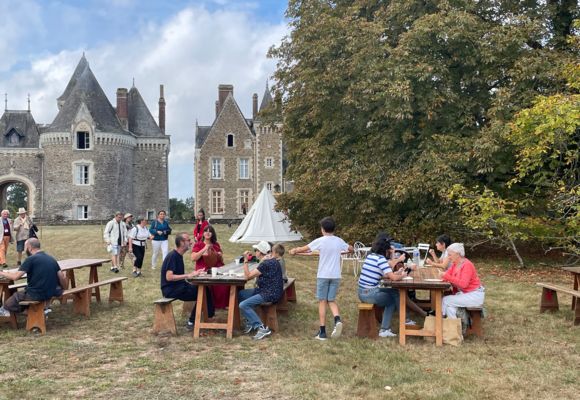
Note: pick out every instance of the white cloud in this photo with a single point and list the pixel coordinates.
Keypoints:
(191, 53)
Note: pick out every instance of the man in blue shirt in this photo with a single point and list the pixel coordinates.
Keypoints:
(44, 278)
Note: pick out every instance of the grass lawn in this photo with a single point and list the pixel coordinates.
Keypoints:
(113, 355)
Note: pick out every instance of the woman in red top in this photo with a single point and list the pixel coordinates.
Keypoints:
(467, 288)
(200, 226)
(208, 254)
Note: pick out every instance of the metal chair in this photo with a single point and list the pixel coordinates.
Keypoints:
(423, 247)
(355, 258)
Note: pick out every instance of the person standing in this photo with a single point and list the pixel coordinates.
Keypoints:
(200, 226)
(115, 236)
(44, 278)
(138, 236)
(128, 220)
(328, 276)
(6, 237)
(160, 230)
(22, 225)
(173, 276)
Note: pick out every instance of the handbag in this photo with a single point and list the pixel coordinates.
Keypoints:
(32, 231)
(211, 258)
(451, 330)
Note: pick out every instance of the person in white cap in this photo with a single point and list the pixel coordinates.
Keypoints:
(270, 287)
(22, 225)
(115, 236)
(467, 288)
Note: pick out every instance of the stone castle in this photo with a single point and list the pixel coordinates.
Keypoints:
(92, 159)
(235, 157)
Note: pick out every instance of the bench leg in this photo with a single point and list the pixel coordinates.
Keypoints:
(82, 302)
(291, 293)
(476, 326)
(35, 318)
(549, 300)
(164, 319)
(282, 305)
(367, 324)
(116, 292)
(577, 312)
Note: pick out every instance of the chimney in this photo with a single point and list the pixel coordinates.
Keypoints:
(161, 109)
(223, 92)
(122, 107)
(254, 105)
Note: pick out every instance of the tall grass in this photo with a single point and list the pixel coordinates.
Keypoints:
(113, 354)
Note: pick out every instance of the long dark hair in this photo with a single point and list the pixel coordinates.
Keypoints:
(382, 244)
(202, 212)
(213, 234)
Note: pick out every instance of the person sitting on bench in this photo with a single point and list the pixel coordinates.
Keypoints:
(44, 278)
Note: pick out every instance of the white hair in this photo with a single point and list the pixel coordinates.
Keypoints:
(457, 248)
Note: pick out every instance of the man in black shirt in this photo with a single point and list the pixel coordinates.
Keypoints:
(44, 278)
(173, 275)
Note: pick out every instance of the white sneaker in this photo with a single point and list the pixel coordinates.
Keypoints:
(4, 312)
(410, 322)
(336, 332)
(386, 333)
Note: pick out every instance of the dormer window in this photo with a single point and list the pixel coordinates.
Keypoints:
(13, 138)
(83, 140)
(230, 140)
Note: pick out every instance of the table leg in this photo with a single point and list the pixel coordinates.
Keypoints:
(438, 317)
(402, 315)
(94, 277)
(199, 309)
(232, 307)
(70, 275)
(576, 301)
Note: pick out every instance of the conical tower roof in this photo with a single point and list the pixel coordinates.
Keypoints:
(266, 99)
(83, 88)
(141, 122)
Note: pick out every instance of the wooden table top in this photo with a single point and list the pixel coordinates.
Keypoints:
(423, 278)
(574, 270)
(74, 263)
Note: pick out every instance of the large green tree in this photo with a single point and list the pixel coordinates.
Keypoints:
(388, 104)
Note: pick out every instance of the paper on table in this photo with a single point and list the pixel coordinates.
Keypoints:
(433, 280)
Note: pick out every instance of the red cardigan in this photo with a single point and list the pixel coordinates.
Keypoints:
(198, 234)
(463, 277)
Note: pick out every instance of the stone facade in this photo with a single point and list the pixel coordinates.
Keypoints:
(235, 158)
(92, 159)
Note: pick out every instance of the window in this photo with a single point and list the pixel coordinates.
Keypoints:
(83, 140)
(244, 197)
(269, 162)
(269, 186)
(82, 174)
(216, 168)
(217, 205)
(247, 144)
(150, 215)
(230, 140)
(244, 168)
(82, 212)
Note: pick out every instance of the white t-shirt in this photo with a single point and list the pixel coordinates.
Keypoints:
(330, 248)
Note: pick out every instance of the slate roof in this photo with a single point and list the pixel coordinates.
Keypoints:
(84, 88)
(23, 123)
(266, 99)
(201, 134)
(141, 122)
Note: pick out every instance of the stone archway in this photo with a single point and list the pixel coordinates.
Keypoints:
(7, 180)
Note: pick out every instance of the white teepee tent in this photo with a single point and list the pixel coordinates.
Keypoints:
(263, 222)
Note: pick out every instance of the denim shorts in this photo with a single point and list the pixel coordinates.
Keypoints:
(115, 249)
(20, 245)
(326, 288)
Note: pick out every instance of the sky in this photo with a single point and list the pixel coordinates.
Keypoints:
(188, 46)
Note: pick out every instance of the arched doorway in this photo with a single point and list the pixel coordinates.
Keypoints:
(16, 192)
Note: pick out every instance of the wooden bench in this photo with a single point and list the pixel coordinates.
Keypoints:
(35, 318)
(476, 327)
(549, 299)
(368, 316)
(268, 315)
(289, 295)
(164, 319)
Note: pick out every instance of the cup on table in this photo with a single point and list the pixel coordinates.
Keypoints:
(213, 272)
(237, 261)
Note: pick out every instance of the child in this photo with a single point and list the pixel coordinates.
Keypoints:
(278, 252)
(328, 277)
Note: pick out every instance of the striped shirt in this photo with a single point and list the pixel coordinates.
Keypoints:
(373, 270)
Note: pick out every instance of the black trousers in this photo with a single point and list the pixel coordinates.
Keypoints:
(187, 292)
(139, 253)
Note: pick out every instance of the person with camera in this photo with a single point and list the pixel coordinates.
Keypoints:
(23, 227)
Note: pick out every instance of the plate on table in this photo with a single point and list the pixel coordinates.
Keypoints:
(433, 280)
(407, 278)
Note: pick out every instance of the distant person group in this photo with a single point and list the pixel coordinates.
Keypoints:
(21, 229)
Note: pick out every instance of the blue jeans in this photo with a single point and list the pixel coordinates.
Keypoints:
(384, 297)
(249, 300)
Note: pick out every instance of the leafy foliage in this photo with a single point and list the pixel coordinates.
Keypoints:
(388, 104)
(16, 197)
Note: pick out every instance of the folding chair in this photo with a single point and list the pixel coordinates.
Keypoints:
(423, 247)
(355, 258)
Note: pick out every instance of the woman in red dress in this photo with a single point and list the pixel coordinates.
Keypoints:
(207, 254)
(200, 226)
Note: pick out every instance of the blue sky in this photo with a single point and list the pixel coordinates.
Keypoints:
(189, 46)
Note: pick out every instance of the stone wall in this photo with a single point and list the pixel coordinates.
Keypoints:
(150, 179)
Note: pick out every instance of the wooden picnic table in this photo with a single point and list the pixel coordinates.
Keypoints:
(68, 266)
(423, 279)
(230, 275)
(4, 284)
(575, 271)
